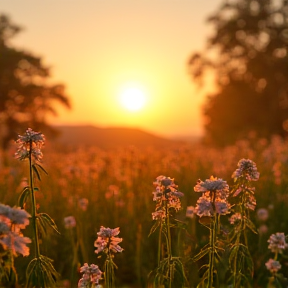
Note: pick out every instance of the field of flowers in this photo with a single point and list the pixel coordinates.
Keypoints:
(165, 242)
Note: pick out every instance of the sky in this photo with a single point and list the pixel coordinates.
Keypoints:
(99, 48)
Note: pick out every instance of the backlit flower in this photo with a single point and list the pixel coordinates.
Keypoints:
(16, 242)
(273, 266)
(277, 242)
(247, 169)
(30, 142)
(107, 240)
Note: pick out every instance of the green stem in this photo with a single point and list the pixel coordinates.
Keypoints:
(169, 252)
(160, 243)
(34, 208)
(212, 240)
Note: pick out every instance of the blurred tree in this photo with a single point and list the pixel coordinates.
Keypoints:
(248, 56)
(25, 97)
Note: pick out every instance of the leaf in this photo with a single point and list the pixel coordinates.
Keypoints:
(34, 167)
(41, 167)
(201, 254)
(154, 227)
(23, 196)
(47, 220)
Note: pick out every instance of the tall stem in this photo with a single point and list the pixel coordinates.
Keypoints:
(169, 252)
(34, 209)
(212, 241)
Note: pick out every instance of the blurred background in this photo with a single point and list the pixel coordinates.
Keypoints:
(125, 91)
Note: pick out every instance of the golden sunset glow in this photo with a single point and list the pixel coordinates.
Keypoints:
(132, 98)
(126, 63)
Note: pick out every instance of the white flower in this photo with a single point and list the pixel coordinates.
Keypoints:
(277, 242)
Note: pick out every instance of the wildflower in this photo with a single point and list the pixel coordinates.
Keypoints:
(166, 195)
(16, 242)
(190, 212)
(213, 184)
(159, 214)
(263, 229)
(69, 222)
(107, 240)
(273, 266)
(262, 214)
(15, 216)
(235, 218)
(247, 169)
(204, 207)
(277, 242)
(91, 274)
(30, 141)
(83, 204)
(214, 197)
(222, 207)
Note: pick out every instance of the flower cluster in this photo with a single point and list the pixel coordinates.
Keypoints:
(91, 275)
(12, 220)
(247, 169)
(215, 192)
(107, 240)
(69, 222)
(277, 242)
(30, 142)
(165, 195)
(273, 265)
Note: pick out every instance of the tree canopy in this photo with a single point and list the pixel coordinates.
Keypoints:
(248, 56)
(25, 96)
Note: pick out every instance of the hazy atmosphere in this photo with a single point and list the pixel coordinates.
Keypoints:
(97, 48)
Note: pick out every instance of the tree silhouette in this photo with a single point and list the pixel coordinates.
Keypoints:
(248, 55)
(25, 97)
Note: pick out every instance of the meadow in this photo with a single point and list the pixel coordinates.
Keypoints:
(115, 189)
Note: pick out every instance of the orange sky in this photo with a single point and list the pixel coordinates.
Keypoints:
(97, 46)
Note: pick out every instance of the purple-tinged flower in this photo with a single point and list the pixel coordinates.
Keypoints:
(213, 184)
(204, 207)
(222, 207)
(14, 215)
(277, 242)
(247, 169)
(235, 218)
(91, 274)
(273, 266)
(69, 222)
(30, 141)
(262, 214)
(15, 242)
(107, 240)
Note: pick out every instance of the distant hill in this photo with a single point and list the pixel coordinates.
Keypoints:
(109, 138)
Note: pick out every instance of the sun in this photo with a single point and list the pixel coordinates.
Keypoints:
(132, 98)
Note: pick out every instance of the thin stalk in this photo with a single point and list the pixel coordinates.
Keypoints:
(169, 252)
(212, 240)
(160, 243)
(34, 209)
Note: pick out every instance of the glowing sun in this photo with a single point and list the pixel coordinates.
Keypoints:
(132, 98)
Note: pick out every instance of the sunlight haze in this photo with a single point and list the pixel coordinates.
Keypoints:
(95, 47)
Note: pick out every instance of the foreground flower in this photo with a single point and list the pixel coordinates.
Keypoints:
(14, 216)
(166, 195)
(277, 242)
(273, 266)
(214, 197)
(107, 240)
(16, 242)
(247, 169)
(31, 140)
